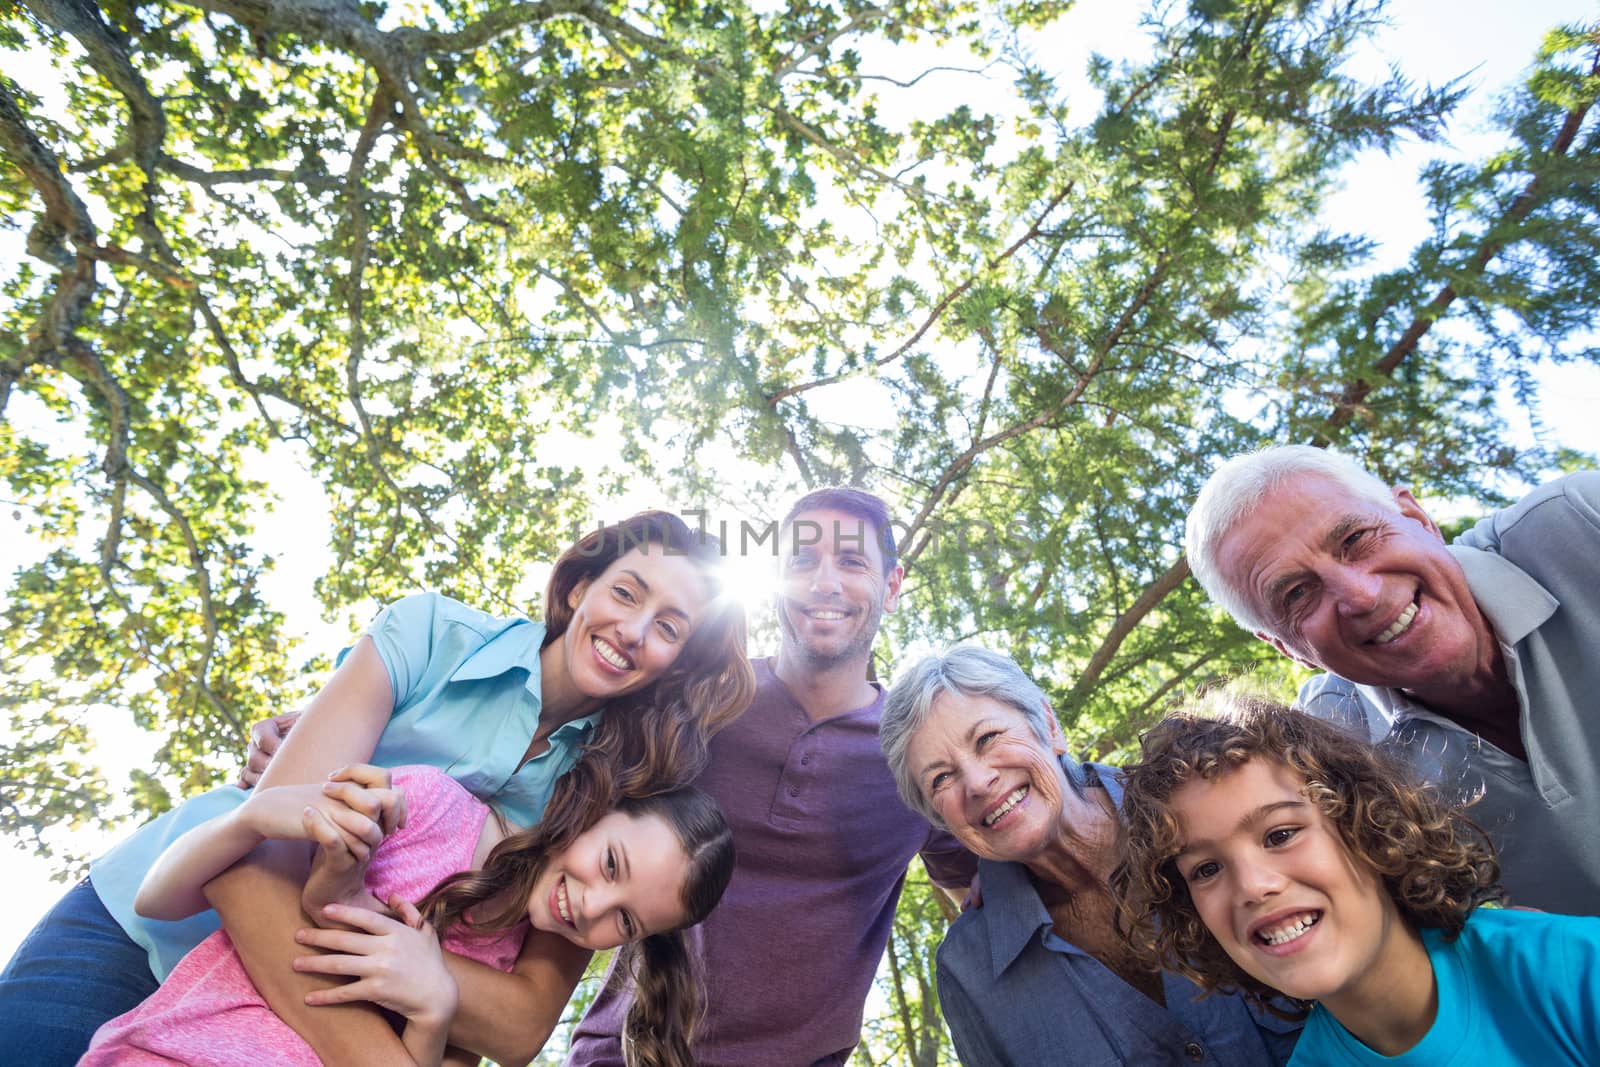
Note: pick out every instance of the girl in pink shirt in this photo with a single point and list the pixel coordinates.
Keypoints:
(632, 877)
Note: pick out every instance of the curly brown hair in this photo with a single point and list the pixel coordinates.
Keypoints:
(1436, 864)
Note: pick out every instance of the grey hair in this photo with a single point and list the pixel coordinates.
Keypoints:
(1241, 485)
(966, 670)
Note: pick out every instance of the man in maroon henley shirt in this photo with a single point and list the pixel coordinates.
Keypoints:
(823, 840)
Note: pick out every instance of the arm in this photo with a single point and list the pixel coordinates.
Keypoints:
(260, 904)
(534, 994)
(259, 899)
(396, 964)
(174, 887)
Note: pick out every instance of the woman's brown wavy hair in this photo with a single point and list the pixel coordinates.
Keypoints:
(1434, 863)
(647, 743)
(668, 1004)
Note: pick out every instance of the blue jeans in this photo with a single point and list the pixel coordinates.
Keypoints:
(76, 970)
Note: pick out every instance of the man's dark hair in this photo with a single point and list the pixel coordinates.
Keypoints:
(858, 502)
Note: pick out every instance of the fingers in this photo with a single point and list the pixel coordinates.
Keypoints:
(363, 774)
(345, 836)
(406, 911)
(380, 803)
(363, 919)
(265, 737)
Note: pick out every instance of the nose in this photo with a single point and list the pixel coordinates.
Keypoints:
(1256, 880)
(631, 630)
(825, 576)
(980, 781)
(1356, 591)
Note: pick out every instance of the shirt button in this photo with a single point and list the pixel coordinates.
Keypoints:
(805, 759)
(794, 791)
(1194, 1051)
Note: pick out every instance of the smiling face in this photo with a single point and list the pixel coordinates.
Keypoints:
(1372, 596)
(1273, 882)
(999, 789)
(621, 880)
(833, 589)
(631, 622)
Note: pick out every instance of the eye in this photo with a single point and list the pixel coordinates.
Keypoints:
(1203, 870)
(1352, 542)
(985, 738)
(629, 928)
(1280, 836)
(937, 781)
(623, 593)
(854, 563)
(611, 863)
(668, 629)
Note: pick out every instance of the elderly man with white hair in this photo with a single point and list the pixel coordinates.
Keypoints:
(1478, 661)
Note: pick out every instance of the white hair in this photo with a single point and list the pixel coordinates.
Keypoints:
(965, 670)
(1241, 485)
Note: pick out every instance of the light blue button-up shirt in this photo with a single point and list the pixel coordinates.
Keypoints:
(466, 700)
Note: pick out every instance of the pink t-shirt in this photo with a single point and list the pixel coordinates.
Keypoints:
(208, 1012)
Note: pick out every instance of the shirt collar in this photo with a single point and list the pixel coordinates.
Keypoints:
(1513, 602)
(1012, 911)
(516, 648)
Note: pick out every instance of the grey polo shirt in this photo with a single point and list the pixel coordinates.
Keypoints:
(1534, 569)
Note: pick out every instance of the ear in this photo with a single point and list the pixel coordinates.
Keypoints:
(1278, 644)
(1413, 511)
(1058, 740)
(891, 588)
(577, 593)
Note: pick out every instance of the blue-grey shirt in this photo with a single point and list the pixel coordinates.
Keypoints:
(1014, 993)
(466, 700)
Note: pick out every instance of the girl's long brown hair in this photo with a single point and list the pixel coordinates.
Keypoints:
(647, 743)
(667, 1006)
(1436, 864)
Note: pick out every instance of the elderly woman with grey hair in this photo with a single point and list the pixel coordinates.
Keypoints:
(1039, 973)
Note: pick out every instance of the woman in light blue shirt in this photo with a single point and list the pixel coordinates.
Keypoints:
(638, 662)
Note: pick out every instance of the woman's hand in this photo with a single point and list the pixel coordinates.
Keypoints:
(359, 794)
(397, 962)
(265, 737)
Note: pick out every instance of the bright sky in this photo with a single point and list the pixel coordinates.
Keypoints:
(1430, 40)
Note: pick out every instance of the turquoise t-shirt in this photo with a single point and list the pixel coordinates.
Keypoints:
(466, 700)
(1516, 988)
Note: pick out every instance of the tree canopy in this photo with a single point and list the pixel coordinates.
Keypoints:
(441, 251)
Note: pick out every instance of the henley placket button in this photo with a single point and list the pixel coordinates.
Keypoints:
(1194, 1051)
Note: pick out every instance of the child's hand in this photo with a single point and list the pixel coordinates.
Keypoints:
(355, 794)
(280, 813)
(397, 963)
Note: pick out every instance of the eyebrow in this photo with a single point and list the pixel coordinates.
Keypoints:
(1330, 542)
(1245, 822)
(672, 609)
(1344, 528)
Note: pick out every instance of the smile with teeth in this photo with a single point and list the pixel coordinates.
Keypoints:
(1286, 932)
(611, 655)
(1399, 626)
(824, 614)
(563, 906)
(1010, 802)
